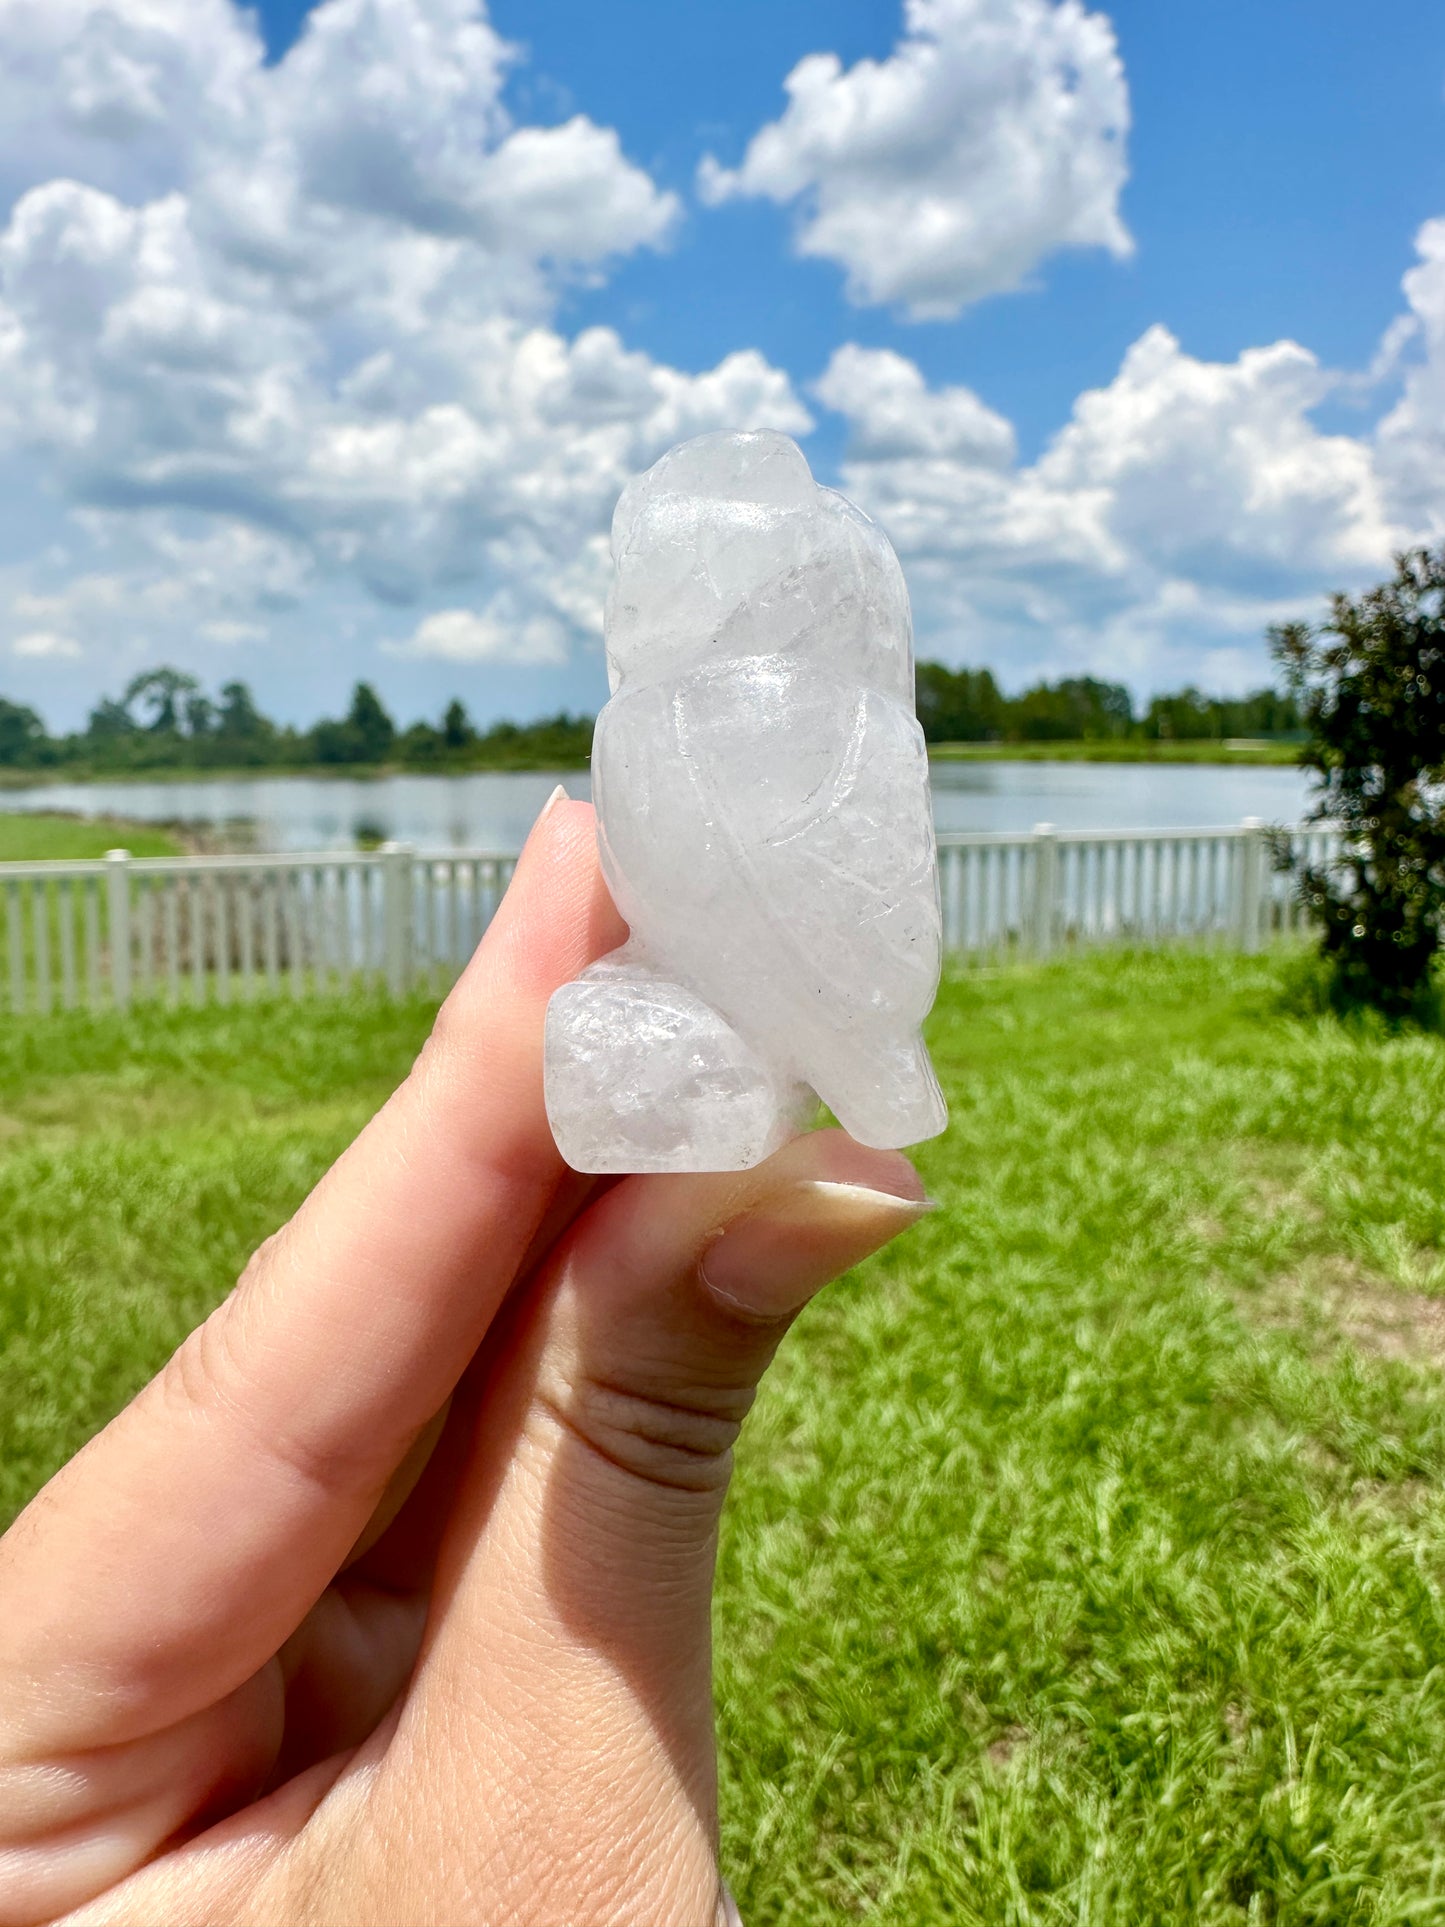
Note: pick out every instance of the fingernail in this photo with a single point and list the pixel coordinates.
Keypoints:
(559, 795)
(772, 1260)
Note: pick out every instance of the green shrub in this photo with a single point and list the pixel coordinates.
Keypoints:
(1371, 687)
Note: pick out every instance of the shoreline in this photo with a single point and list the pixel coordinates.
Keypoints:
(1246, 753)
(49, 778)
(1237, 752)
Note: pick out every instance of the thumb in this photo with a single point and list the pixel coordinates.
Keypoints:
(584, 1547)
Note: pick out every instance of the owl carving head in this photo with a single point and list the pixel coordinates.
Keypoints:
(727, 548)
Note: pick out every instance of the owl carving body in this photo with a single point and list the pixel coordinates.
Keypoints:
(764, 822)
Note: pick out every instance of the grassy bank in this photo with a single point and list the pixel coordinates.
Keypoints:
(38, 837)
(1127, 750)
(1086, 1560)
(25, 779)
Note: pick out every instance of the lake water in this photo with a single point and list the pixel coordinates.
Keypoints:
(493, 810)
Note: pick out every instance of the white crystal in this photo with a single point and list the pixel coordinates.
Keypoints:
(764, 825)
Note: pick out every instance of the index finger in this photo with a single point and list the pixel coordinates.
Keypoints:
(171, 1558)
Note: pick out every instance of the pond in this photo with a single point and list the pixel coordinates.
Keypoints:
(493, 809)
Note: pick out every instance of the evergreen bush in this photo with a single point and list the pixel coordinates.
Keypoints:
(1370, 683)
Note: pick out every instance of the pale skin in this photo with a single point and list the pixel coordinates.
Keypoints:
(388, 1600)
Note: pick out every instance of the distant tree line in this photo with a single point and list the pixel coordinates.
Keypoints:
(165, 720)
(967, 706)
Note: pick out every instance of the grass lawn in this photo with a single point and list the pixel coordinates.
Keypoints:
(1086, 1558)
(35, 837)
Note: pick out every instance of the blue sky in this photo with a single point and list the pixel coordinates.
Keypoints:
(1282, 156)
(323, 354)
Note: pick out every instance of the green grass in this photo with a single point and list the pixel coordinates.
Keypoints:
(1086, 1558)
(140, 1164)
(35, 837)
(1128, 749)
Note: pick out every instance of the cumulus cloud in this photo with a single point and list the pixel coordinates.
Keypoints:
(230, 633)
(117, 96)
(266, 329)
(992, 135)
(281, 345)
(1178, 511)
(392, 108)
(1411, 438)
(45, 642)
(892, 413)
(1215, 470)
(498, 634)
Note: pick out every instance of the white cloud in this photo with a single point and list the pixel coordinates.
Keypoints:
(1411, 438)
(1180, 509)
(1215, 471)
(281, 344)
(283, 332)
(229, 634)
(566, 193)
(393, 108)
(992, 135)
(45, 642)
(892, 413)
(499, 633)
(116, 95)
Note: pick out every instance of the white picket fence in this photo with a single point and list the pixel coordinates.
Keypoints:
(123, 929)
(1031, 893)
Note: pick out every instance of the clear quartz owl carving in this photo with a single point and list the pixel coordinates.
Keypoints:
(764, 823)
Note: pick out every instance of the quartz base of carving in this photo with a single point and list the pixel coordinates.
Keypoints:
(764, 825)
(644, 1075)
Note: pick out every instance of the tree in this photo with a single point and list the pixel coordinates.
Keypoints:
(957, 705)
(365, 736)
(22, 734)
(164, 691)
(238, 718)
(1264, 712)
(419, 746)
(1370, 684)
(240, 733)
(1080, 708)
(457, 731)
(108, 721)
(375, 730)
(1188, 717)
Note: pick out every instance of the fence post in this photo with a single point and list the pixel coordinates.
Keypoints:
(1044, 907)
(1253, 856)
(396, 907)
(117, 879)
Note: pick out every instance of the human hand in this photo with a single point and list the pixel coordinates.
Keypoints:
(387, 1601)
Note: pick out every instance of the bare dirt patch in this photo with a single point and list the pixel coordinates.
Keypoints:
(1005, 1747)
(1329, 1295)
(1275, 1179)
(1407, 1499)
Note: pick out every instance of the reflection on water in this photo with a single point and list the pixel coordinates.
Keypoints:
(493, 810)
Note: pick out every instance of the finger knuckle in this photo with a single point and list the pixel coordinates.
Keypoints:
(682, 1439)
